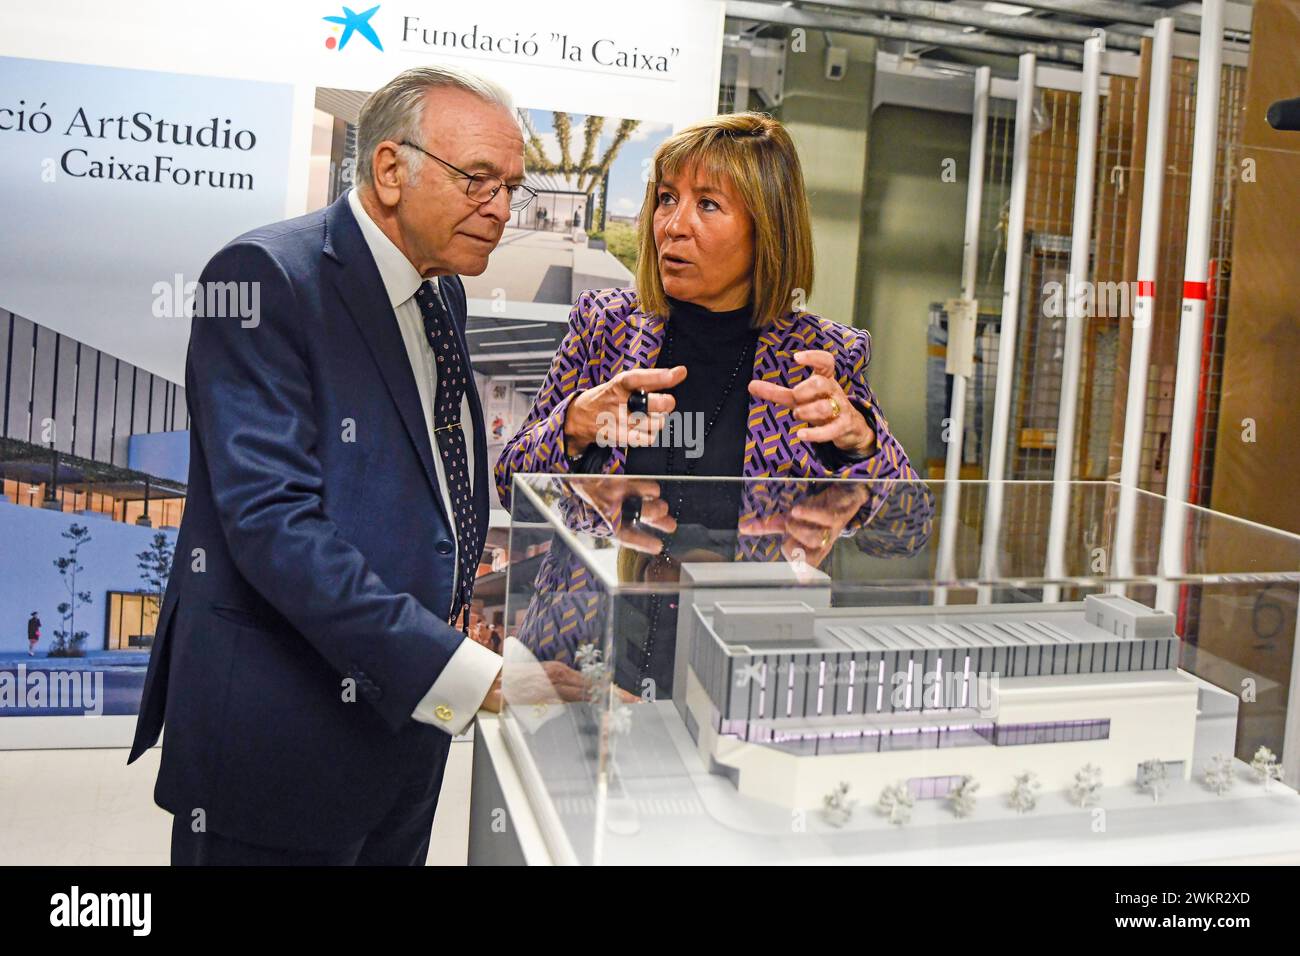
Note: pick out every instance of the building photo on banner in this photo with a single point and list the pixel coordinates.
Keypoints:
(718, 431)
(179, 163)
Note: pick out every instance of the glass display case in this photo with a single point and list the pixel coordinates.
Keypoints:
(890, 672)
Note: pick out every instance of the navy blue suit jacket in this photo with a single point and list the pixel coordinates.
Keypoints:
(304, 559)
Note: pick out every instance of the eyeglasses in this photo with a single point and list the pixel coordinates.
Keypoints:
(483, 188)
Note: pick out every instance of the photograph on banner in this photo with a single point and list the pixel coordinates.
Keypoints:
(122, 183)
(125, 173)
(579, 233)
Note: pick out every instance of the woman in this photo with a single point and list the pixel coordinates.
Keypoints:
(726, 263)
(714, 330)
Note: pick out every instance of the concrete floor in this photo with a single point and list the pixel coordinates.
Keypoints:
(88, 808)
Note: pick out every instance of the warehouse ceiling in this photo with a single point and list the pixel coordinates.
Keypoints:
(979, 31)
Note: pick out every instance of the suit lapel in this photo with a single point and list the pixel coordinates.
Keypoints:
(362, 291)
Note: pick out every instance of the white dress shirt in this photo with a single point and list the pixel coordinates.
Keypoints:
(455, 696)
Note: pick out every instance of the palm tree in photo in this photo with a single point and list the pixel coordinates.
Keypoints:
(561, 123)
(588, 174)
(591, 128)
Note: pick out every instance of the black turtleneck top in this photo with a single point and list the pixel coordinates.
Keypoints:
(717, 349)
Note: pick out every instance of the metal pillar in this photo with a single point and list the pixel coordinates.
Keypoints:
(946, 565)
(1010, 319)
(1195, 274)
(143, 521)
(1153, 185)
(1076, 275)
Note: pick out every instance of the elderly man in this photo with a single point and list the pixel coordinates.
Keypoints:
(312, 660)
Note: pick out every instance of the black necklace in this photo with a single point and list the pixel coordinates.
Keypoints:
(676, 494)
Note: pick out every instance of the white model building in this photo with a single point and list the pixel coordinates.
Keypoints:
(790, 697)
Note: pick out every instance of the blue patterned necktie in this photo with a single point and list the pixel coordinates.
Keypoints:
(453, 379)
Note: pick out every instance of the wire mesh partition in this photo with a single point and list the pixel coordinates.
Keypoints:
(1111, 273)
(1229, 172)
(1107, 332)
(1040, 342)
(1036, 390)
(995, 200)
(1169, 279)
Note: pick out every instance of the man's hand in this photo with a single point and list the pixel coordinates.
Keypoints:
(542, 682)
(492, 702)
(819, 401)
(601, 412)
(480, 634)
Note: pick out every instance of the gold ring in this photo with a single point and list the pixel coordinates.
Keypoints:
(835, 409)
(826, 537)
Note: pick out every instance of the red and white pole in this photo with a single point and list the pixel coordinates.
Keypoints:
(1153, 186)
(1195, 277)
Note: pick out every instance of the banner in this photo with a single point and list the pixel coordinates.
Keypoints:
(153, 210)
(136, 139)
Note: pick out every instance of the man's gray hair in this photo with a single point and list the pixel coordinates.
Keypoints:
(395, 111)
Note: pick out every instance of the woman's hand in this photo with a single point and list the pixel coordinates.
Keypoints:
(607, 494)
(600, 413)
(810, 528)
(819, 401)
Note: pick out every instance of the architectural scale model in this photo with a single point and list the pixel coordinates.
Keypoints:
(792, 699)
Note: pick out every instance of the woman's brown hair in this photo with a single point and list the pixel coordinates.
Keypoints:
(757, 155)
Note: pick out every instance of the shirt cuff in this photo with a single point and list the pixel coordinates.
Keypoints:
(455, 696)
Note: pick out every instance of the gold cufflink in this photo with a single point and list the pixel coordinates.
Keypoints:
(442, 712)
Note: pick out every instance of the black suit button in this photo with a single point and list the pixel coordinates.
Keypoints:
(444, 546)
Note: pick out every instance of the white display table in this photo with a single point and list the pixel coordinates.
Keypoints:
(675, 820)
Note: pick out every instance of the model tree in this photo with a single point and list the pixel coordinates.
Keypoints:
(896, 803)
(1086, 789)
(1024, 792)
(620, 717)
(961, 798)
(1153, 778)
(587, 655)
(837, 808)
(68, 641)
(1218, 775)
(1266, 767)
(594, 672)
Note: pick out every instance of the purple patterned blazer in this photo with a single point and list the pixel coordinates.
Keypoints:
(609, 334)
(569, 606)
